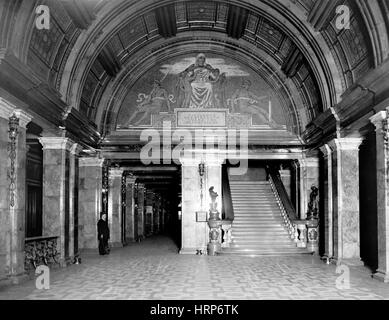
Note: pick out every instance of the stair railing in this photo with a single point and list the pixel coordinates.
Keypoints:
(228, 209)
(287, 211)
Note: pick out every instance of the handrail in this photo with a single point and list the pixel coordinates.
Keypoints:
(227, 210)
(287, 212)
(280, 188)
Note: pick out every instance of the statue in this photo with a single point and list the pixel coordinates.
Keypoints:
(213, 196)
(214, 223)
(313, 205)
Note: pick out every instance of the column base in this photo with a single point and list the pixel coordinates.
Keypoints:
(65, 262)
(352, 262)
(17, 279)
(117, 245)
(381, 276)
(188, 251)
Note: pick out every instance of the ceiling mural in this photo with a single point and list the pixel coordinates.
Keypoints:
(201, 87)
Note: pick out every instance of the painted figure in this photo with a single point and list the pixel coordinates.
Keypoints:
(244, 101)
(200, 76)
(155, 102)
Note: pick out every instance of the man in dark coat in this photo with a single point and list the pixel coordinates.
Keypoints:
(103, 234)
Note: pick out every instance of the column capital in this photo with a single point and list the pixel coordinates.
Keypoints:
(75, 149)
(56, 143)
(308, 162)
(91, 162)
(326, 150)
(130, 179)
(378, 119)
(7, 109)
(115, 172)
(345, 144)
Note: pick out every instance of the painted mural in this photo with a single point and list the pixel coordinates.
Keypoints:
(201, 83)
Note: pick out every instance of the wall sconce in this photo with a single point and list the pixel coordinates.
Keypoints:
(13, 134)
(201, 174)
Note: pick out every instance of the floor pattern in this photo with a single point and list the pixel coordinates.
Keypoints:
(154, 270)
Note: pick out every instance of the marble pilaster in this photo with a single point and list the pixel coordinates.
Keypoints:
(149, 213)
(56, 192)
(141, 210)
(345, 186)
(131, 231)
(309, 175)
(157, 206)
(328, 202)
(12, 218)
(73, 199)
(89, 200)
(382, 149)
(115, 206)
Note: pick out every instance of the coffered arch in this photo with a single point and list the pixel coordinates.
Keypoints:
(264, 16)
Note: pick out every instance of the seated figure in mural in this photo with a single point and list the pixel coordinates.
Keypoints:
(244, 101)
(201, 77)
(157, 100)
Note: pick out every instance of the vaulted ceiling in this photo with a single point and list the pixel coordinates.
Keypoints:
(95, 50)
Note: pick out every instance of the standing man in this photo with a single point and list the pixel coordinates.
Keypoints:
(103, 234)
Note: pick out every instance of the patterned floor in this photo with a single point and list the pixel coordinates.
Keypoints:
(154, 270)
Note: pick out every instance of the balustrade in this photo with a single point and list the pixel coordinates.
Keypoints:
(40, 250)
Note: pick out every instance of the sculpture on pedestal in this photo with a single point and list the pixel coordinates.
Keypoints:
(313, 220)
(214, 223)
(313, 205)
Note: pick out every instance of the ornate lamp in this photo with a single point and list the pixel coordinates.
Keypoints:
(13, 134)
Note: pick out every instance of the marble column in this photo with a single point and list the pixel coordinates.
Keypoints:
(56, 192)
(195, 235)
(157, 208)
(141, 210)
(12, 207)
(149, 213)
(309, 175)
(328, 205)
(130, 209)
(382, 147)
(115, 206)
(89, 200)
(73, 199)
(345, 187)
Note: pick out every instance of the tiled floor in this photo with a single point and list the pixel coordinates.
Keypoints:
(154, 270)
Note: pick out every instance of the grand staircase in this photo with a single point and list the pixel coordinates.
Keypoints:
(258, 226)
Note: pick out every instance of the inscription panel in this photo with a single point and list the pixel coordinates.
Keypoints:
(201, 118)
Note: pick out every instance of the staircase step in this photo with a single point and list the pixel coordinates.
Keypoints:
(258, 227)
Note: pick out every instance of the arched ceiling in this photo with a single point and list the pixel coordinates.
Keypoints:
(95, 50)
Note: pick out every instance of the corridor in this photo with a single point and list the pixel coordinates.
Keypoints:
(152, 269)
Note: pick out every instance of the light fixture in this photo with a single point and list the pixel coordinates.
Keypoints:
(13, 134)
